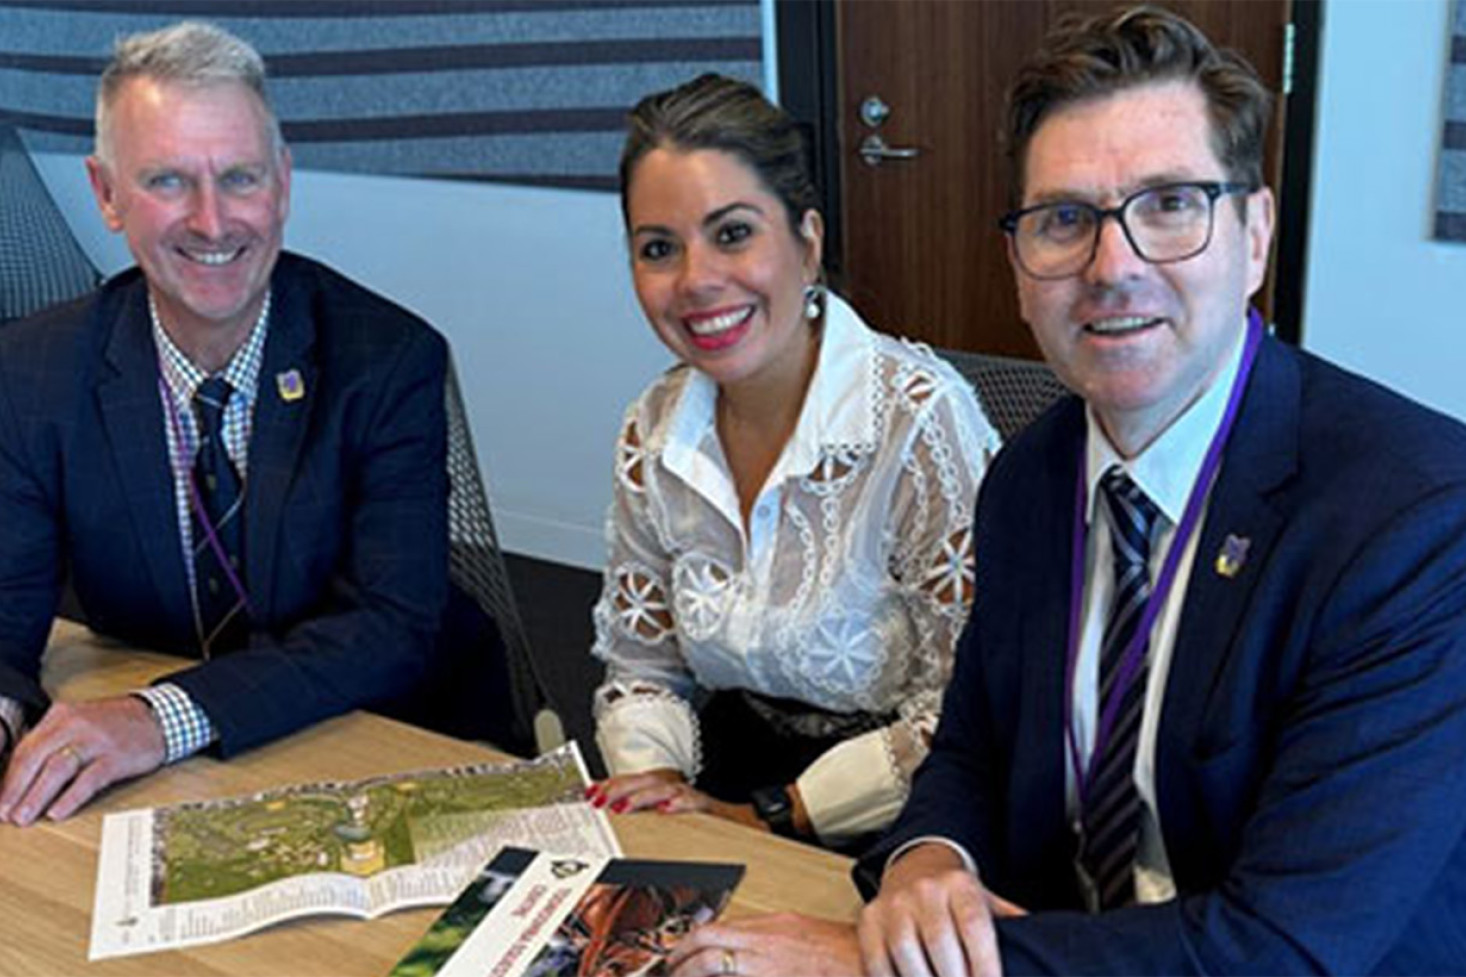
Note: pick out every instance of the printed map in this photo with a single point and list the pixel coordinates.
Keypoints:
(220, 848)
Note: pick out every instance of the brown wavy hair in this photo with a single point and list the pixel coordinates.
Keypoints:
(1090, 57)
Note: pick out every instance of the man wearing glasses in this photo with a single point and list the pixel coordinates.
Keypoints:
(1210, 711)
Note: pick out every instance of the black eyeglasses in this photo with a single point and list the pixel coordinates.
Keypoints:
(1163, 224)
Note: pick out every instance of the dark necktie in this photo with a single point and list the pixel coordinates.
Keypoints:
(1111, 810)
(221, 612)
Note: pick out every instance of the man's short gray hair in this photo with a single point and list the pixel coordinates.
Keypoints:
(188, 53)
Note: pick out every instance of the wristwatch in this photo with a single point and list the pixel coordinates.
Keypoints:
(775, 808)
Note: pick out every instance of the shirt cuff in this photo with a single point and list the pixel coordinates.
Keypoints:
(12, 717)
(852, 789)
(967, 861)
(186, 728)
(641, 732)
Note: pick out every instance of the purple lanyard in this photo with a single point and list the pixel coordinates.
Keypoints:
(1135, 651)
(197, 501)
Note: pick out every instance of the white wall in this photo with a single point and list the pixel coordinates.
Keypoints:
(1382, 297)
(530, 286)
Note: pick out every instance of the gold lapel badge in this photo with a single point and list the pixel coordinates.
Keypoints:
(1233, 555)
(291, 385)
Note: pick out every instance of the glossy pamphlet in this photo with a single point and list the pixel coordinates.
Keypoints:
(531, 914)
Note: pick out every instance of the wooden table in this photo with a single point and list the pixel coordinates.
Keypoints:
(48, 871)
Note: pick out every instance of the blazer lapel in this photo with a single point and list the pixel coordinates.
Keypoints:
(1239, 531)
(1040, 756)
(279, 429)
(132, 416)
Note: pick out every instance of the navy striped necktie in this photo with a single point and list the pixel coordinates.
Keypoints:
(1110, 817)
(220, 607)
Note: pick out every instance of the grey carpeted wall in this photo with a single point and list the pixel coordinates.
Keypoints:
(533, 91)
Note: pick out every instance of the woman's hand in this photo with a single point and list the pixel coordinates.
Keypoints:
(667, 792)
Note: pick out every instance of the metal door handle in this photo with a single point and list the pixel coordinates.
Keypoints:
(874, 149)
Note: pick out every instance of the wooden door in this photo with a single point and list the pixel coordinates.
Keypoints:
(923, 256)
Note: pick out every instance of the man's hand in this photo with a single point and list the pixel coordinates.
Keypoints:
(77, 749)
(932, 916)
(788, 943)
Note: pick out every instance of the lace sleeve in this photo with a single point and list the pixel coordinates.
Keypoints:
(643, 720)
(950, 447)
(860, 785)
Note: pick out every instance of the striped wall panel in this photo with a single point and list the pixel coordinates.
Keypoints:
(1450, 218)
(521, 91)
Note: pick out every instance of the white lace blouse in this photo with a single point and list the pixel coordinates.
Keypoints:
(848, 591)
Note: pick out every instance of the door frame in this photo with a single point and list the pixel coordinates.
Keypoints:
(809, 89)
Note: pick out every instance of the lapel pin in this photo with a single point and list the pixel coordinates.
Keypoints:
(291, 385)
(1233, 555)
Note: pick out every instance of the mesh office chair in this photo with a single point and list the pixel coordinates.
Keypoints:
(476, 565)
(40, 262)
(1012, 392)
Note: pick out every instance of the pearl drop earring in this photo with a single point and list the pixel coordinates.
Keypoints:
(814, 300)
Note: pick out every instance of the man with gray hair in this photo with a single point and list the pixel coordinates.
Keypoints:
(232, 452)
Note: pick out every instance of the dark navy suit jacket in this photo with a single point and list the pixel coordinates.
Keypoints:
(345, 506)
(1311, 755)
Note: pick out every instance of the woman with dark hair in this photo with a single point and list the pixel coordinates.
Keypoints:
(790, 539)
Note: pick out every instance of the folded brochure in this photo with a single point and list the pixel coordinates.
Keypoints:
(214, 870)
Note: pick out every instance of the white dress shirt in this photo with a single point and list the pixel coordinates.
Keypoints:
(1165, 471)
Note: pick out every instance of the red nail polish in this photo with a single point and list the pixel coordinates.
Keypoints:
(590, 791)
(620, 806)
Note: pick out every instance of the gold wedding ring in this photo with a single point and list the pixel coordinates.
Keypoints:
(74, 753)
(729, 964)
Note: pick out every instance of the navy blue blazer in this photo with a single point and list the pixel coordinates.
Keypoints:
(345, 503)
(1311, 755)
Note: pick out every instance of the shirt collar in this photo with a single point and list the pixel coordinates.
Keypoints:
(838, 411)
(1167, 469)
(183, 376)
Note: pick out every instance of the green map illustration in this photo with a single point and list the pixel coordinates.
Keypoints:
(213, 849)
